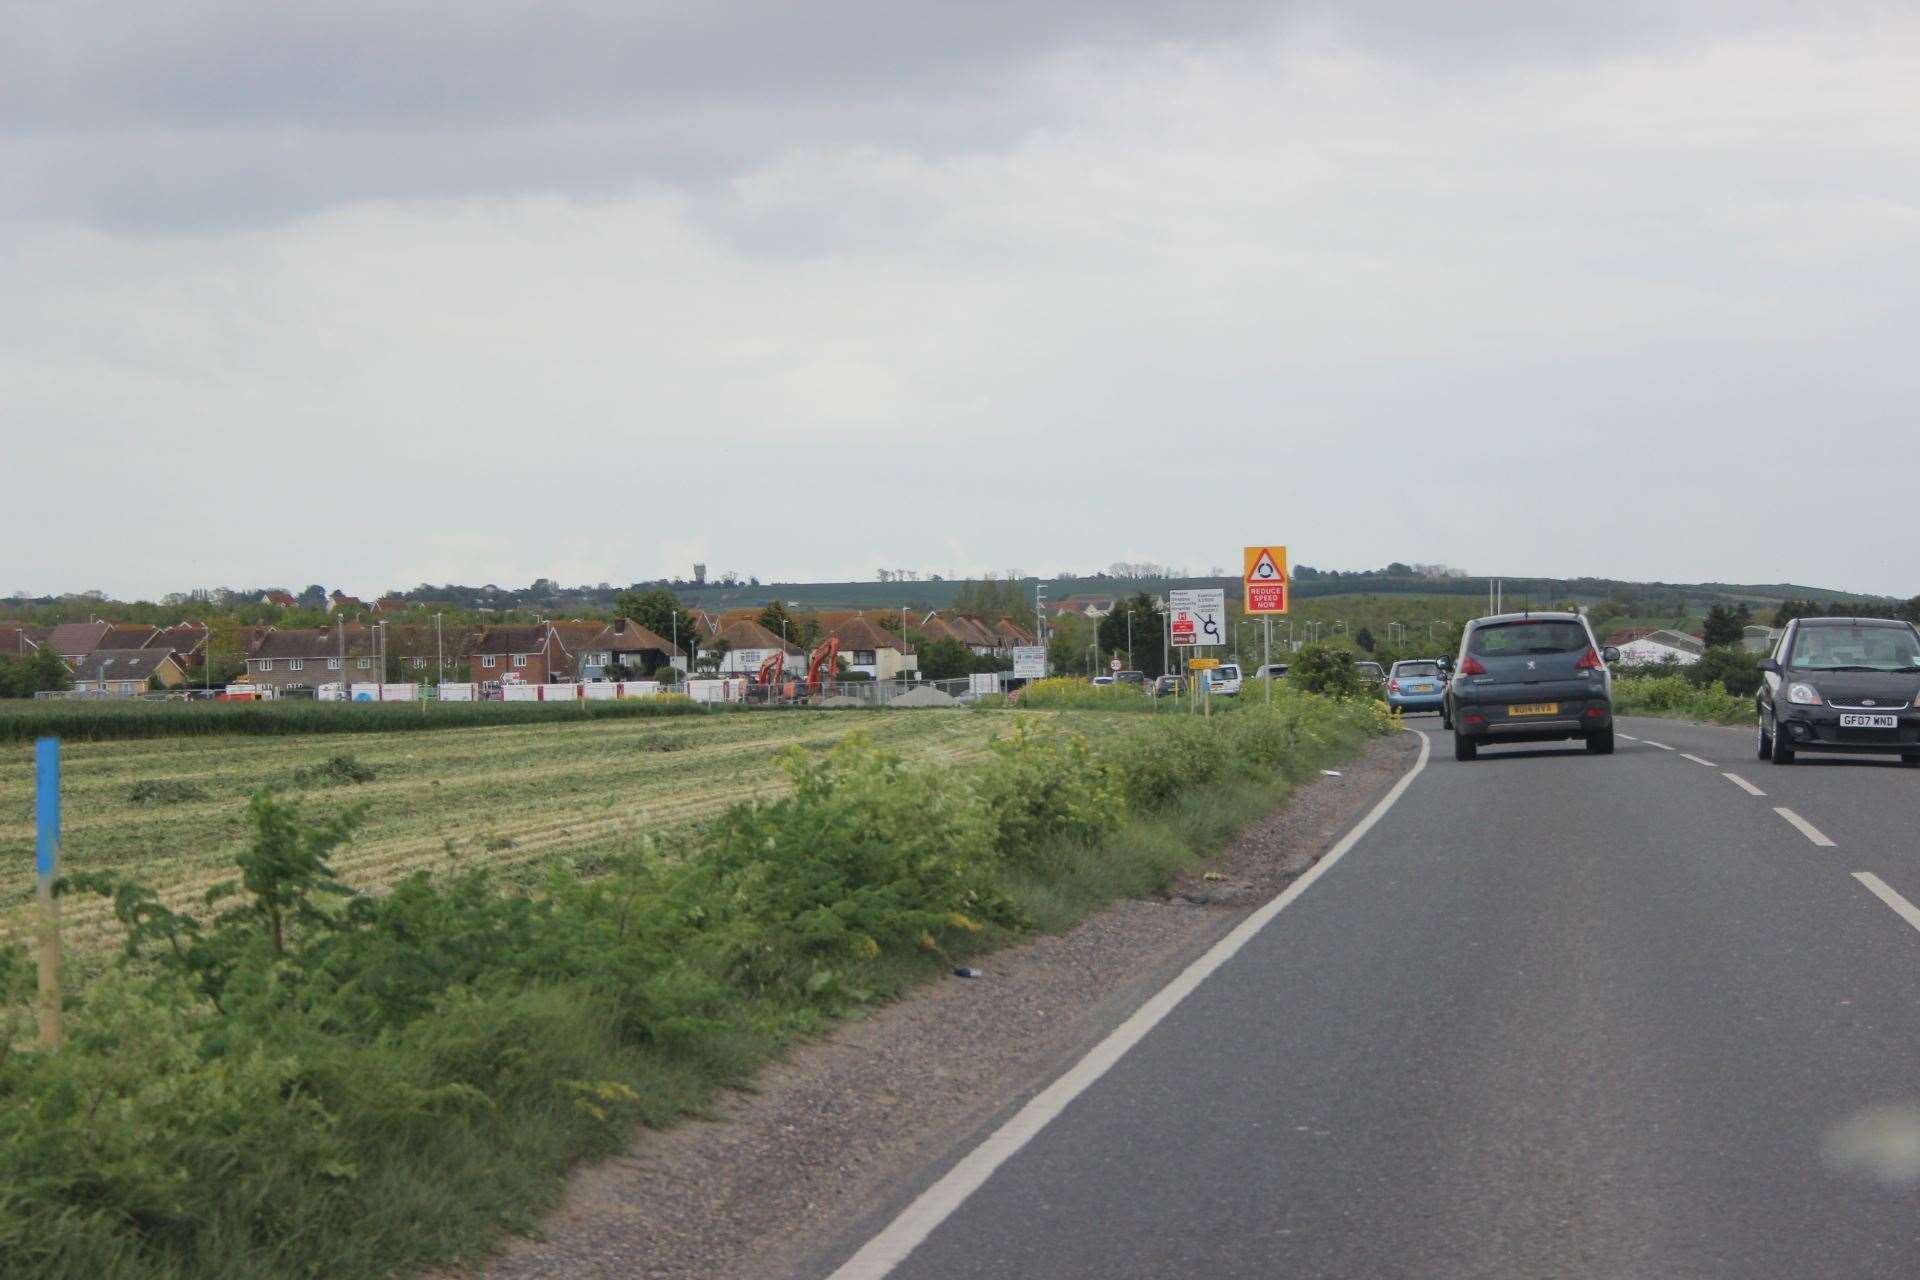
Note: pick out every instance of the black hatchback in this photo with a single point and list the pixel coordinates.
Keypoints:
(1841, 684)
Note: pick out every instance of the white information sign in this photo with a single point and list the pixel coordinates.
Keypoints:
(1030, 662)
(1198, 617)
(450, 692)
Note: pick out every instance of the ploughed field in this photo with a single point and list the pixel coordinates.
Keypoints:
(502, 796)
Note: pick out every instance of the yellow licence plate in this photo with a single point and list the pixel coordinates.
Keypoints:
(1534, 709)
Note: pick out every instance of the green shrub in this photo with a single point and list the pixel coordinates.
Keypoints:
(1068, 692)
(1328, 669)
(1734, 670)
(1676, 696)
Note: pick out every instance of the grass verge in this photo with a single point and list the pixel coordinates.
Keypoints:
(315, 1081)
(1673, 698)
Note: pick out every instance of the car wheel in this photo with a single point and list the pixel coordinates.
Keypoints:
(1464, 748)
(1601, 743)
(1782, 749)
(1765, 745)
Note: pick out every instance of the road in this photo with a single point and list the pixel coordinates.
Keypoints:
(1553, 1015)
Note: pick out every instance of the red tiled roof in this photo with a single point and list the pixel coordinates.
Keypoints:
(858, 633)
(747, 634)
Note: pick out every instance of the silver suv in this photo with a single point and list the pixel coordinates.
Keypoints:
(1529, 677)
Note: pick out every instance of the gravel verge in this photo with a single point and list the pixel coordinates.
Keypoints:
(847, 1128)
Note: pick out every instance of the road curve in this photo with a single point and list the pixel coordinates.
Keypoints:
(1555, 1015)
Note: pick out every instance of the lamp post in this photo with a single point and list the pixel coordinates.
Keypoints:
(1130, 666)
(439, 652)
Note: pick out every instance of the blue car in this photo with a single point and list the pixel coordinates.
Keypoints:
(1417, 685)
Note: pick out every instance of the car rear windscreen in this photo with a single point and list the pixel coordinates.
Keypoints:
(1416, 669)
(1512, 639)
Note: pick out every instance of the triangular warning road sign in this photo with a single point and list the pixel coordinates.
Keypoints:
(1264, 569)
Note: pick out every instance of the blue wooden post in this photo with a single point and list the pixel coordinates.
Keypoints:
(46, 867)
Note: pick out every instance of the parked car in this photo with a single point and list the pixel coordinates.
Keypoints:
(1416, 684)
(1841, 684)
(1103, 679)
(1372, 672)
(1131, 677)
(1169, 684)
(1275, 670)
(1224, 679)
(1530, 677)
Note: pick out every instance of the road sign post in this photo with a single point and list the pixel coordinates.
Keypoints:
(46, 779)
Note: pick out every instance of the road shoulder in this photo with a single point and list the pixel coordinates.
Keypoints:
(849, 1127)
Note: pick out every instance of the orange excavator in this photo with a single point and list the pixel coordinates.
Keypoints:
(823, 665)
(768, 678)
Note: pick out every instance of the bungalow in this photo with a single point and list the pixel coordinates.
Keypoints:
(1085, 606)
(127, 673)
(640, 650)
(337, 602)
(285, 599)
(980, 637)
(1012, 635)
(869, 649)
(746, 644)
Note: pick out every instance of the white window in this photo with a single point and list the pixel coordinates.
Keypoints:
(266, 664)
(333, 664)
(519, 659)
(486, 660)
(296, 664)
(419, 664)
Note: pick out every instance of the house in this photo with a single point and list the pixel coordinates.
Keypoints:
(127, 673)
(307, 657)
(75, 640)
(640, 650)
(337, 602)
(1012, 635)
(16, 639)
(186, 641)
(747, 644)
(1642, 646)
(980, 637)
(516, 651)
(867, 648)
(582, 649)
(1085, 606)
(392, 604)
(285, 599)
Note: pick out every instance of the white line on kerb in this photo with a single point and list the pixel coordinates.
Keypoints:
(916, 1222)
(1743, 784)
(1806, 828)
(1697, 760)
(1650, 742)
(1881, 890)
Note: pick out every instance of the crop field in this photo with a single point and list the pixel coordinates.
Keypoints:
(171, 811)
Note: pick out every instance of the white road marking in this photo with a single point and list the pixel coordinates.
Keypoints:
(1697, 760)
(880, 1255)
(1650, 742)
(1625, 737)
(1743, 784)
(1806, 828)
(1881, 890)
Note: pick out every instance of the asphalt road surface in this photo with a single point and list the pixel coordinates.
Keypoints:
(1553, 1015)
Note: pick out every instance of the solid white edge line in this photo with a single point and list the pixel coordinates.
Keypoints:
(1743, 784)
(916, 1222)
(1650, 742)
(1806, 828)
(1697, 760)
(1883, 891)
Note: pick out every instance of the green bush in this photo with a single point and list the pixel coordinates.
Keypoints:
(1733, 670)
(300, 1079)
(1677, 697)
(1328, 669)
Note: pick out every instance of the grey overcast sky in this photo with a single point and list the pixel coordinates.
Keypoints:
(371, 294)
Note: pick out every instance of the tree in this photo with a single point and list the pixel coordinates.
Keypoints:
(314, 597)
(991, 598)
(776, 619)
(1320, 668)
(1364, 638)
(652, 609)
(945, 659)
(1722, 627)
(1148, 623)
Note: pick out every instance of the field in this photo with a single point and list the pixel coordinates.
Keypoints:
(503, 796)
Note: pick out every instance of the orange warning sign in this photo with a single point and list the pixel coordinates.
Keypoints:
(1265, 579)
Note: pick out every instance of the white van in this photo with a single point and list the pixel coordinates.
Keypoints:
(1225, 679)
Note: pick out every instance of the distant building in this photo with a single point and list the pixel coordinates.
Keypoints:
(1644, 647)
(873, 651)
(127, 673)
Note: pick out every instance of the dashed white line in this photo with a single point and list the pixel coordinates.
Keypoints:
(1697, 760)
(1743, 784)
(1881, 890)
(1806, 828)
(1625, 737)
(1650, 742)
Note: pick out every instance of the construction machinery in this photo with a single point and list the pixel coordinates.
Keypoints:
(823, 666)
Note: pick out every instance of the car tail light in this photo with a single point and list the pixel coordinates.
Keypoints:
(1393, 685)
(1589, 661)
(1595, 712)
(1470, 666)
(1473, 717)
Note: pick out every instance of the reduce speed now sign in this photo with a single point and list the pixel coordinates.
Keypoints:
(1265, 580)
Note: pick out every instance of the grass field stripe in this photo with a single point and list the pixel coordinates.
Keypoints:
(1743, 784)
(1885, 892)
(1697, 760)
(1805, 828)
(880, 1255)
